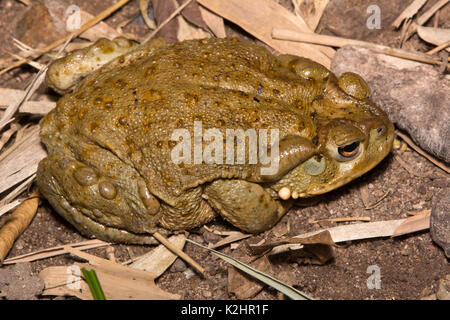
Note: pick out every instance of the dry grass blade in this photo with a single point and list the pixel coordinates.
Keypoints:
(291, 35)
(21, 160)
(55, 251)
(18, 190)
(8, 134)
(12, 109)
(17, 223)
(359, 231)
(230, 239)
(343, 219)
(261, 276)
(173, 15)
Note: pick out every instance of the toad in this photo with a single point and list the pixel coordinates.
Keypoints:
(168, 136)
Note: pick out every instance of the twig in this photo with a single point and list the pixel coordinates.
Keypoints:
(423, 153)
(290, 35)
(439, 48)
(180, 8)
(343, 219)
(178, 252)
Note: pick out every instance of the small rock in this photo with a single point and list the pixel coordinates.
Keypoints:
(443, 292)
(178, 266)
(189, 273)
(440, 220)
(211, 237)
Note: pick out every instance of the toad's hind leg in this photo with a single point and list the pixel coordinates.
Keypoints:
(246, 205)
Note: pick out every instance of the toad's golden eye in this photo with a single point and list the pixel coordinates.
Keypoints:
(350, 150)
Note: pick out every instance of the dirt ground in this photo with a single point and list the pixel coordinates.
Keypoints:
(411, 266)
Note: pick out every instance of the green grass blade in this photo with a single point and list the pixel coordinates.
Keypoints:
(94, 285)
(261, 276)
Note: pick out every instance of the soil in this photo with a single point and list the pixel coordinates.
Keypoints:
(410, 266)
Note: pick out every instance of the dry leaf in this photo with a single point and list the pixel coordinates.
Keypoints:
(186, 31)
(244, 286)
(193, 15)
(412, 224)
(230, 239)
(118, 282)
(310, 11)
(160, 258)
(259, 17)
(17, 222)
(214, 22)
(435, 36)
(100, 30)
(409, 12)
(323, 237)
(162, 9)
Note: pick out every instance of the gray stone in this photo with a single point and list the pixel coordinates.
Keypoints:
(414, 95)
(440, 220)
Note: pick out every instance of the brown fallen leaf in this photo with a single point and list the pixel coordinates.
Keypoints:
(17, 222)
(214, 22)
(160, 258)
(242, 285)
(259, 17)
(412, 224)
(323, 237)
(118, 282)
(162, 10)
(310, 11)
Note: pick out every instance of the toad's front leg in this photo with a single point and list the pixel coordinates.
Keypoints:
(246, 205)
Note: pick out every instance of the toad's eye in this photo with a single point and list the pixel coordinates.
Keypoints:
(350, 150)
